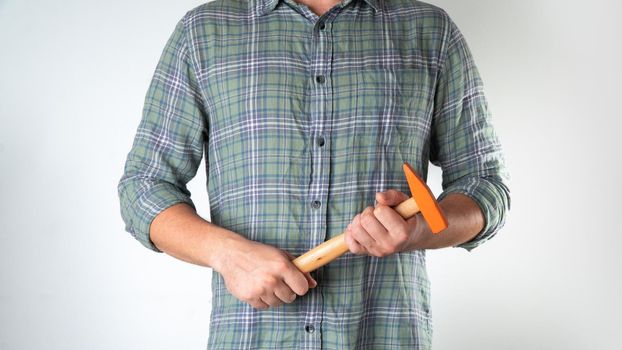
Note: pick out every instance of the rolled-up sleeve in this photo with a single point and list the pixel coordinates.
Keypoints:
(168, 145)
(464, 144)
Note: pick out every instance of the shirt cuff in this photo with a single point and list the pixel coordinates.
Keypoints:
(492, 196)
(147, 206)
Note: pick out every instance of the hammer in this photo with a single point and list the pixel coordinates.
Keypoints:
(422, 200)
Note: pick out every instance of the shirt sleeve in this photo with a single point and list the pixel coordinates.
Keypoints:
(464, 143)
(168, 145)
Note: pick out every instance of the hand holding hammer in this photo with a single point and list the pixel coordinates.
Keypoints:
(422, 200)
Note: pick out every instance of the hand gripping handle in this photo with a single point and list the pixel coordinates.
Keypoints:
(336, 246)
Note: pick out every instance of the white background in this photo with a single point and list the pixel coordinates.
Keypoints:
(73, 75)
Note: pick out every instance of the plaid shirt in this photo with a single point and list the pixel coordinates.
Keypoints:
(302, 119)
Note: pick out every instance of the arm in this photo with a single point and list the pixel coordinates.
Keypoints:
(156, 204)
(465, 220)
(180, 232)
(255, 273)
(381, 231)
(464, 144)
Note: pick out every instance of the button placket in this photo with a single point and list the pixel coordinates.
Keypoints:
(321, 114)
(320, 67)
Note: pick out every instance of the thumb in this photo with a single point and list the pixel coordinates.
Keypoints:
(391, 197)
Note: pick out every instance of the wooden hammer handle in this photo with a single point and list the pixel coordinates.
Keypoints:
(336, 246)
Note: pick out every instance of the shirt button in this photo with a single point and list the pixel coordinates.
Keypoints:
(320, 79)
(320, 141)
(322, 26)
(309, 328)
(316, 204)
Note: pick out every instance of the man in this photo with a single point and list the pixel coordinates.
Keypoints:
(305, 112)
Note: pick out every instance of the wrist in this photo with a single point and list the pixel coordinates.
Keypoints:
(418, 234)
(224, 244)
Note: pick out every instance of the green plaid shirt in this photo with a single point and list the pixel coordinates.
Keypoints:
(302, 119)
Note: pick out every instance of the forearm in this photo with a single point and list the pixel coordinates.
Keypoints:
(180, 232)
(465, 220)
(258, 274)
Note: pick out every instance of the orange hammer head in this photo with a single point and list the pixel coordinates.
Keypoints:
(425, 200)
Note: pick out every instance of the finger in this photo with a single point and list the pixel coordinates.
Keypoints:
(296, 280)
(258, 304)
(361, 236)
(353, 246)
(271, 299)
(312, 282)
(391, 220)
(284, 293)
(391, 197)
(375, 229)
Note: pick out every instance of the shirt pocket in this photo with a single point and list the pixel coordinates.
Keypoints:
(393, 110)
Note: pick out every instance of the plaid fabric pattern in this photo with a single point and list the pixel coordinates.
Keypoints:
(302, 119)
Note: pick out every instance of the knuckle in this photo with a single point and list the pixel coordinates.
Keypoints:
(390, 248)
(401, 236)
(247, 295)
(253, 301)
(356, 234)
(282, 266)
(356, 220)
(292, 298)
(305, 286)
(385, 249)
(380, 209)
(258, 290)
(270, 281)
(363, 249)
(366, 245)
(377, 253)
(367, 220)
(302, 290)
(260, 306)
(397, 230)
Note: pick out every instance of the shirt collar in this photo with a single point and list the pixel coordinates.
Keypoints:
(265, 6)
